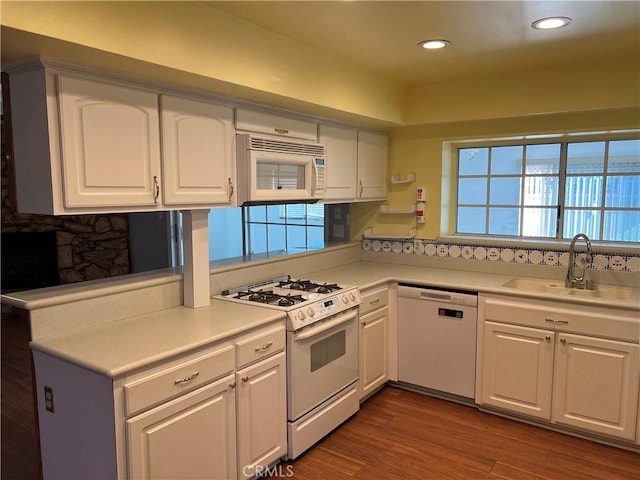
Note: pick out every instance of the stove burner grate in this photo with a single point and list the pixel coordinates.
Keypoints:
(309, 286)
(269, 297)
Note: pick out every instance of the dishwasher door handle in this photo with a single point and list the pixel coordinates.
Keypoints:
(443, 297)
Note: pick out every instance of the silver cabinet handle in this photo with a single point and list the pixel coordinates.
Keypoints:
(186, 379)
(263, 347)
(281, 131)
(156, 189)
(361, 188)
(553, 320)
(230, 189)
(374, 302)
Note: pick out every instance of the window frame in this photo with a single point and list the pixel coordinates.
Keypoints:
(564, 139)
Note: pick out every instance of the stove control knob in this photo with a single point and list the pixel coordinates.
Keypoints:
(345, 300)
(301, 315)
(352, 296)
(310, 312)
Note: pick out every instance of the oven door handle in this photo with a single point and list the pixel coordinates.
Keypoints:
(325, 326)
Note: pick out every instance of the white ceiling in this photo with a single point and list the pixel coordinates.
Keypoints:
(488, 37)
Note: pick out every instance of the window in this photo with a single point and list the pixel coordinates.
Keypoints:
(284, 228)
(262, 229)
(551, 190)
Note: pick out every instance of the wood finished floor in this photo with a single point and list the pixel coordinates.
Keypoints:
(396, 435)
(401, 435)
(20, 456)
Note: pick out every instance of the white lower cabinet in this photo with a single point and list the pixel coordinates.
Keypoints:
(262, 415)
(193, 436)
(582, 371)
(518, 369)
(218, 412)
(596, 385)
(374, 313)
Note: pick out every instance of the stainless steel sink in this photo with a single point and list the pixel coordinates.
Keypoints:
(610, 292)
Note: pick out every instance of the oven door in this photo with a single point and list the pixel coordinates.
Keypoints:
(321, 360)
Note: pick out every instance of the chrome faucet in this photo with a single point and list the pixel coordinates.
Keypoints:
(574, 280)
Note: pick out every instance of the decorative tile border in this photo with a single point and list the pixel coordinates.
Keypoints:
(488, 253)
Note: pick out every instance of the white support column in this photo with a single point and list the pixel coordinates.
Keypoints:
(195, 228)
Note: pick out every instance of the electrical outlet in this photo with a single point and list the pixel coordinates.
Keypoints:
(48, 399)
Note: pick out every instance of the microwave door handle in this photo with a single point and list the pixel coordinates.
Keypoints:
(314, 177)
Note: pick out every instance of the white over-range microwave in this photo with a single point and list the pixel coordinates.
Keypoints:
(271, 170)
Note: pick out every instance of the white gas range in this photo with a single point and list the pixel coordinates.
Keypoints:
(322, 352)
(305, 301)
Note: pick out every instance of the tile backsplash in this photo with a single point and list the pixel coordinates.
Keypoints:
(488, 253)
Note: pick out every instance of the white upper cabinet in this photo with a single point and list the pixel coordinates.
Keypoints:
(197, 152)
(84, 143)
(341, 149)
(110, 144)
(372, 166)
(272, 124)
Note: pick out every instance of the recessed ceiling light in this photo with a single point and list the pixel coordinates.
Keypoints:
(549, 23)
(434, 44)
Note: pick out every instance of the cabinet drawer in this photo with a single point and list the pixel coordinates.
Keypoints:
(260, 345)
(374, 300)
(177, 378)
(596, 321)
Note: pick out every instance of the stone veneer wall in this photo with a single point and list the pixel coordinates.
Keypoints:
(88, 246)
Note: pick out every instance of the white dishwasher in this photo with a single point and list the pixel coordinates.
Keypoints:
(437, 341)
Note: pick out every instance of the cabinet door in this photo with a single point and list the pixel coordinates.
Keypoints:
(193, 436)
(596, 385)
(517, 369)
(372, 166)
(342, 162)
(373, 351)
(262, 414)
(110, 144)
(197, 152)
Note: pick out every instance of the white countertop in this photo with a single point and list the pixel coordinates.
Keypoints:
(119, 347)
(370, 274)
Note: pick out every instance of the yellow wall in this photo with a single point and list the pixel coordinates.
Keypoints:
(561, 89)
(199, 40)
(419, 149)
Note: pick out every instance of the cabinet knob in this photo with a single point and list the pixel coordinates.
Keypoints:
(245, 379)
(548, 338)
(232, 385)
(563, 341)
(364, 324)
